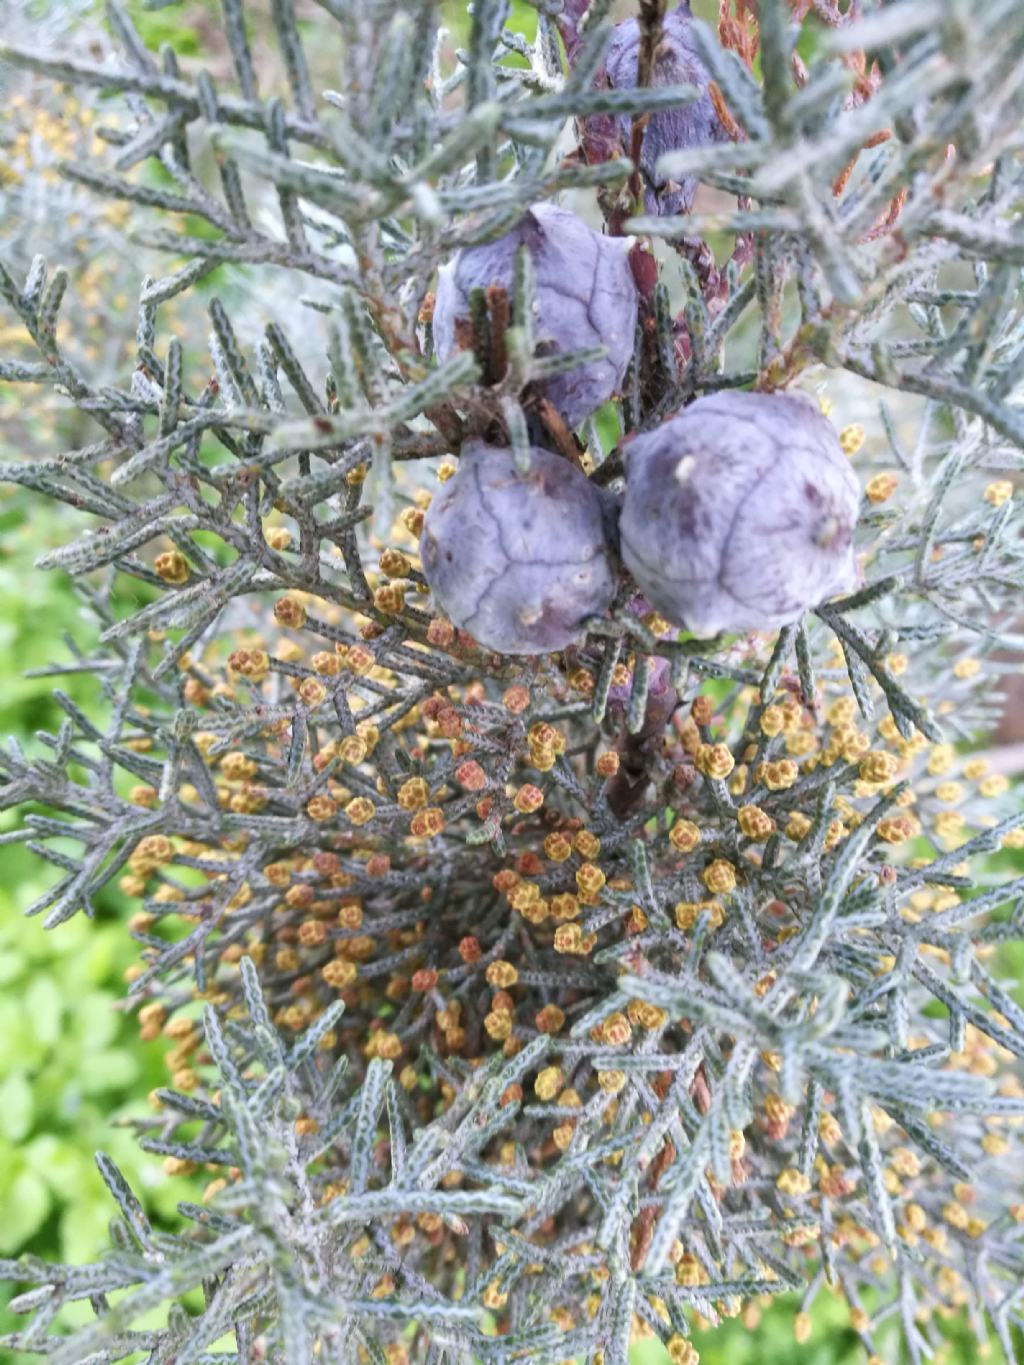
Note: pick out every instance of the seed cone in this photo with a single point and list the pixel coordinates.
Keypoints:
(740, 512)
(584, 296)
(518, 559)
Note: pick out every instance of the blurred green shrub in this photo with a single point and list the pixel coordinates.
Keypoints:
(71, 1066)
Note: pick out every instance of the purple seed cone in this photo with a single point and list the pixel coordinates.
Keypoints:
(518, 560)
(585, 296)
(677, 61)
(740, 513)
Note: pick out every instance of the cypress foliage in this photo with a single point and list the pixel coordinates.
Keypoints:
(525, 1002)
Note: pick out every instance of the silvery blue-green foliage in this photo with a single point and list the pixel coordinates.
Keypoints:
(740, 513)
(40, 131)
(611, 986)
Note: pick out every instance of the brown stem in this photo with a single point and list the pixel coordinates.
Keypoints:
(500, 315)
(652, 15)
(561, 436)
(568, 22)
